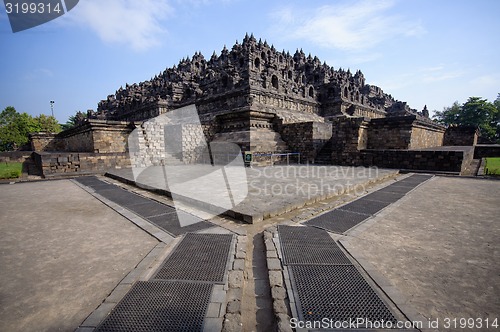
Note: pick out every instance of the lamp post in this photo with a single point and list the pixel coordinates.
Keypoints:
(52, 107)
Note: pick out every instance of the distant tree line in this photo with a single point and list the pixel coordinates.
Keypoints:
(15, 127)
(477, 112)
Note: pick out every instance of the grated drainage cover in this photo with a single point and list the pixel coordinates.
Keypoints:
(336, 292)
(122, 197)
(415, 180)
(338, 221)
(170, 223)
(91, 181)
(388, 197)
(309, 245)
(160, 306)
(365, 206)
(150, 208)
(198, 257)
(398, 189)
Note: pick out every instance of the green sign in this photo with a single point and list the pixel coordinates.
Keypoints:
(248, 157)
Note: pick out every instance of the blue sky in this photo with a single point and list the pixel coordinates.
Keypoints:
(423, 52)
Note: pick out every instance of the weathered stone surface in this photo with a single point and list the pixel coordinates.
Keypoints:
(235, 279)
(284, 323)
(239, 264)
(278, 293)
(280, 307)
(266, 101)
(275, 278)
(234, 307)
(273, 264)
(234, 294)
(232, 323)
(241, 254)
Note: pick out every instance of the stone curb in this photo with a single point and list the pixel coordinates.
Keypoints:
(146, 226)
(138, 273)
(232, 309)
(279, 281)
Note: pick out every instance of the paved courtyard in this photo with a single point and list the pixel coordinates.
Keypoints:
(61, 253)
(439, 247)
(434, 252)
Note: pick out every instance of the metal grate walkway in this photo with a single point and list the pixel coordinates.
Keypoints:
(347, 216)
(160, 306)
(198, 257)
(178, 296)
(325, 287)
(163, 216)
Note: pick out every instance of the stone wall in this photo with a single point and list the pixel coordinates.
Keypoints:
(487, 150)
(404, 132)
(74, 163)
(46, 142)
(349, 136)
(182, 144)
(426, 137)
(390, 133)
(81, 140)
(92, 136)
(194, 144)
(424, 160)
(306, 138)
(461, 136)
(15, 156)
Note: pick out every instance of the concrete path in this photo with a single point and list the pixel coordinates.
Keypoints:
(439, 247)
(61, 253)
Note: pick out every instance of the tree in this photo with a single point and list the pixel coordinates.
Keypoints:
(475, 112)
(47, 124)
(15, 127)
(74, 120)
(449, 115)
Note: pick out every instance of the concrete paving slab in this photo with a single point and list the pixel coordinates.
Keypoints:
(62, 252)
(271, 191)
(439, 247)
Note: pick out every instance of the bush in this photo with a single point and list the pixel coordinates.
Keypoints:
(10, 170)
(492, 166)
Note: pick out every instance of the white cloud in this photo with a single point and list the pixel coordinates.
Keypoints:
(39, 73)
(441, 76)
(354, 27)
(486, 81)
(137, 24)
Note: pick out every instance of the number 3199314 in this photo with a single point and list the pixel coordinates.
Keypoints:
(32, 8)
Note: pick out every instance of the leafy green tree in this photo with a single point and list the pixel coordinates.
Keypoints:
(47, 124)
(12, 127)
(449, 115)
(15, 127)
(74, 120)
(477, 112)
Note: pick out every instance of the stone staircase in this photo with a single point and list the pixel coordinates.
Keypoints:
(324, 156)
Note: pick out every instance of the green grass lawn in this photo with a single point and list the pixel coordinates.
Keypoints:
(492, 166)
(10, 170)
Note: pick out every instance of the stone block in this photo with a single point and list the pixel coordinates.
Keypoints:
(232, 323)
(233, 307)
(278, 293)
(235, 279)
(284, 323)
(280, 307)
(275, 278)
(273, 264)
(239, 264)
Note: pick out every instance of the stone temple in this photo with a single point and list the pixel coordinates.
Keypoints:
(271, 102)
